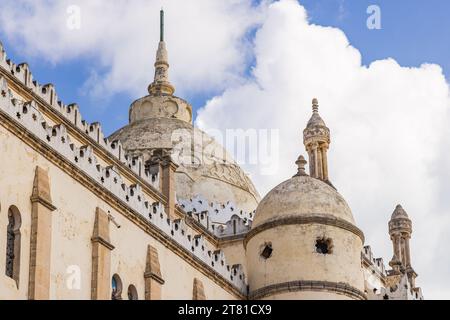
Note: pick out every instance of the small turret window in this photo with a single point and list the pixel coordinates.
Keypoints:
(266, 251)
(324, 246)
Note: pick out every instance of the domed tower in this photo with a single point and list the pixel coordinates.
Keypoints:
(304, 243)
(161, 120)
(400, 229)
(316, 138)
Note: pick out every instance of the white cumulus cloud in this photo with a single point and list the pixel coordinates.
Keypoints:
(204, 38)
(388, 125)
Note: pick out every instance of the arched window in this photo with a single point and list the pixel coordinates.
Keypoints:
(116, 285)
(12, 269)
(132, 292)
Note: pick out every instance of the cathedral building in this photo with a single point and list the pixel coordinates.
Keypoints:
(160, 210)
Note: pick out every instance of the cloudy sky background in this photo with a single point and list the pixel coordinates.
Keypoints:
(257, 64)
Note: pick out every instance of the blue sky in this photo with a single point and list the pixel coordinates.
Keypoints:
(402, 112)
(413, 32)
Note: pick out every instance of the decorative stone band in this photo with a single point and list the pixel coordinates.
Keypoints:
(306, 219)
(43, 201)
(154, 276)
(308, 285)
(103, 241)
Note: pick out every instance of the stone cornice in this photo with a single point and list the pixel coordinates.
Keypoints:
(103, 241)
(308, 285)
(154, 276)
(305, 219)
(43, 201)
(232, 239)
(84, 179)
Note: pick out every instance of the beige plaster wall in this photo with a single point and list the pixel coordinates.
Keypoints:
(235, 253)
(72, 229)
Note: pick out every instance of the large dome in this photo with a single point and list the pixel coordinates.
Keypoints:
(302, 195)
(205, 168)
(161, 120)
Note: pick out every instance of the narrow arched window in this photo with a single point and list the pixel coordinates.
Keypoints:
(132, 292)
(12, 268)
(116, 286)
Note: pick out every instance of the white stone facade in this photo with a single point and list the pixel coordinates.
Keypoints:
(299, 242)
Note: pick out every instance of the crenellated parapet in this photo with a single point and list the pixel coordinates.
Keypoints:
(47, 93)
(374, 264)
(27, 115)
(218, 213)
(398, 287)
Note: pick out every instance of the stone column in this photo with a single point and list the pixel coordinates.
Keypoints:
(316, 162)
(311, 162)
(325, 162)
(408, 256)
(398, 248)
(41, 237)
(101, 257)
(320, 163)
(152, 275)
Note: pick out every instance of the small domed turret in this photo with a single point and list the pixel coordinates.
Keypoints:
(309, 230)
(400, 229)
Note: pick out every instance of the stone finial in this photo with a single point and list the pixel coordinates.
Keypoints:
(301, 163)
(161, 84)
(315, 105)
(161, 25)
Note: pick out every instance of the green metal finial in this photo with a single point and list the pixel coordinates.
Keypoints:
(161, 25)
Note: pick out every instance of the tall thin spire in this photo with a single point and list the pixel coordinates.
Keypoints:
(161, 84)
(161, 25)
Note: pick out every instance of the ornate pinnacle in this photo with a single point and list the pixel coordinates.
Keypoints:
(315, 105)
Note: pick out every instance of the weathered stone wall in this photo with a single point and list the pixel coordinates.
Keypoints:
(294, 258)
(73, 223)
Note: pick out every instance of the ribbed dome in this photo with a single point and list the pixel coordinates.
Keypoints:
(302, 196)
(207, 170)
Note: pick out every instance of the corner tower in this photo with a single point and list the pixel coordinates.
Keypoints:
(304, 243)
